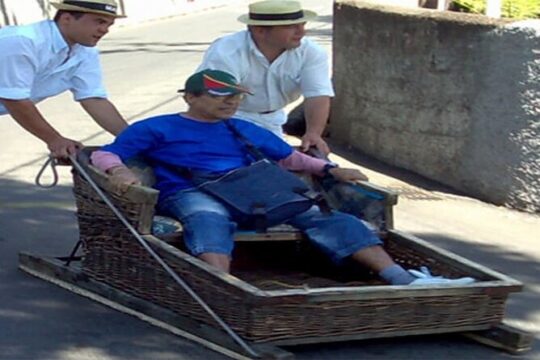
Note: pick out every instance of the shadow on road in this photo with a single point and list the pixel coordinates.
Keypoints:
(378, 166)
(153, 47)
(42, 321)
(522, 305)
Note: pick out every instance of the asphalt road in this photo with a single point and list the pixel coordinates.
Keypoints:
(144, 65)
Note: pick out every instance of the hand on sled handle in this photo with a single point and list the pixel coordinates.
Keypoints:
(348, 175)
(62, 147)
(121, 177)
(316, 141)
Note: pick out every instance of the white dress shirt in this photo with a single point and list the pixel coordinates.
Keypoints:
(303, 71)
(36, 63)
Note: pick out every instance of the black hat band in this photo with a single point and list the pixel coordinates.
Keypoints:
(273, 17)
(94, 6)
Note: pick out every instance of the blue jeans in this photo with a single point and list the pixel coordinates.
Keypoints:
(208, 226)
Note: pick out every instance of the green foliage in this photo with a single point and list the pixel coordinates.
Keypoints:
(469, 6)
(517, 9)
(521, 9)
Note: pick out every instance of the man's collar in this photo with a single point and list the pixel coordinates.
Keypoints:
(60, 44)
(251, 44)
(58, 41)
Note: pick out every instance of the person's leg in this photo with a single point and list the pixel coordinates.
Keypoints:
(221, 261)
(342, 235)
(373, 257)
(377, 259)
(207, 227)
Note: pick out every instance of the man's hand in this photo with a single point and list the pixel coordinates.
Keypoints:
(309, 140)
(121, 177)
(348, 175)
(316, 111)
(62, 147)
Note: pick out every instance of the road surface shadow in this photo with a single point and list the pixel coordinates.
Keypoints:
(42, 321)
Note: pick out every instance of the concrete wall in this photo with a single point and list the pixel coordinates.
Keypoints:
(17, 12)
(450, 96)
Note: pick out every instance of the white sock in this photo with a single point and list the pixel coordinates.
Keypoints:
(396, 275)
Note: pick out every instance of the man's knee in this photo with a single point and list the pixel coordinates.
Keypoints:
(340, 235)
(185, 204)
(209, 221)
(209, 232)
(350, 226)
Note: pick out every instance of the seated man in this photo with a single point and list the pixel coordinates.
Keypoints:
(200, 140)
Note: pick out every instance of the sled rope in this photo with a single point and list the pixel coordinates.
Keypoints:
(52, 162)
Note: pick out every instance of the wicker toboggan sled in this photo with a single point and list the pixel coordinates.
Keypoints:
(280, 292)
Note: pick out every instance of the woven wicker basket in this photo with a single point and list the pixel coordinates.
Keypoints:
(284, 292)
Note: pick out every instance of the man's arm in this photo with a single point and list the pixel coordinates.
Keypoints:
(29, 117)
(120, 175)
(317, 90)
(298, 161)
(316, 112)
(105, 114)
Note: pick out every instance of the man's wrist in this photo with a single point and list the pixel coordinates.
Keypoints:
(314, 133)
(51, 137)
(116, 169)
(329, 166)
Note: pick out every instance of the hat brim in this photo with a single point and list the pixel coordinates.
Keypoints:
(308, 16)
(67, 7)
(230, 91)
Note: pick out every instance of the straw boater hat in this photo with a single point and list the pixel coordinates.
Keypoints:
(103, 7)
(276, 12)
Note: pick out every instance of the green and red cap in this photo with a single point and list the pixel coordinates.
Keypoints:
(214, 82)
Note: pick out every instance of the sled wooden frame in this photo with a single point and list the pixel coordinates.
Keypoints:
(76, 279)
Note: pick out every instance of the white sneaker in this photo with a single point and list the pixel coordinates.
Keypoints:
(424, 277)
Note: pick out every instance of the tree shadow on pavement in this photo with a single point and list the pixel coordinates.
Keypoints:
(395, 172)
(42, 321)
(154, 47)
(421, 347)
(320, 36)
(325, 19)
(523, 268)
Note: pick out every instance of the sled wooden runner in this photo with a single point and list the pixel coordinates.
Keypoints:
(73, 279)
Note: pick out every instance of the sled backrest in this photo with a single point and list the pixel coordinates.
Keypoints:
(138, 205)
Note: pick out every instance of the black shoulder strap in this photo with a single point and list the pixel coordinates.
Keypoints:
(189, 174)
(252, 149)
